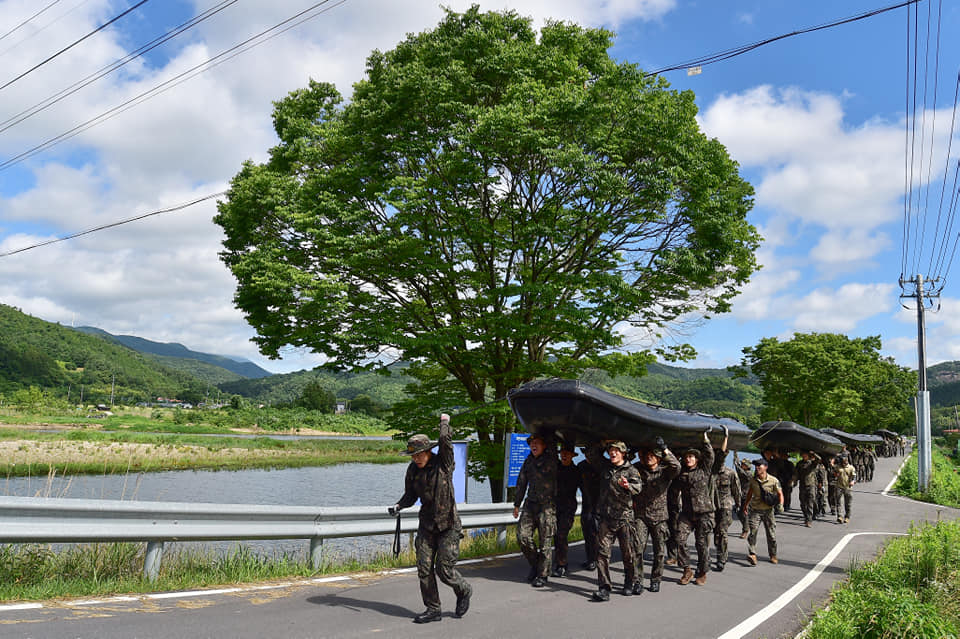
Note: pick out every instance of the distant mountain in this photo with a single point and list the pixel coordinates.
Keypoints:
(172, 351)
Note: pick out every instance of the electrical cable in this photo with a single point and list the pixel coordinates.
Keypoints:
(28, 20)
(70, 46)
(171, 209)
(110, 68)
(736, 51)
(210, 63)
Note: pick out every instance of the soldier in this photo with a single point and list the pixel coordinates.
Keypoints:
(727, 496)
(846, 478)
(568, 481)
(538, 482)
(785, 470)
(763, 484)
(590, 491)
(870, 462)
(657, 468)
(615, 510)
(429, 478)
(806, 476)
(696, 509)
(744, 475)
(822, 486)
(832, 483)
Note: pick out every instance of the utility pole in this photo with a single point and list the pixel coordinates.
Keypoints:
(924, 454)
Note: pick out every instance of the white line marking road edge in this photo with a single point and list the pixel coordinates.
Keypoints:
(777, 604)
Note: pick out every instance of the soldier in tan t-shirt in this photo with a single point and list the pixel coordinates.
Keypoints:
(761, 511)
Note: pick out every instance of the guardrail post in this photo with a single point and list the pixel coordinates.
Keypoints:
(316, 552)
(501, 536)
(151, 561)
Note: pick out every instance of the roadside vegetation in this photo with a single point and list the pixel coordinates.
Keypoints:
(912, 588)
(35, 571)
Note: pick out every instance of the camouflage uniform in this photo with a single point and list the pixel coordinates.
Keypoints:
(743, 476)
(784, 473)
(760, 511)
(695, 496)
(652, 514)
(726, 497)
(822, 483)
(846, 477)
(806, 474)
(590, 491)
(832, 491)
(538, 482)
(439, 531)
(616, 518)
(568, 481)
(870, 463)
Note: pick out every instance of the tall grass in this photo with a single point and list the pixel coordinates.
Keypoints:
(35, 571)
(911, 590)
(944, 486)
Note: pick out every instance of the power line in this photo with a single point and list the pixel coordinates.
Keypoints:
(210, 63)
(110, 68)
(70, 46)
(736, 51)
(171, 209)
(28, 20)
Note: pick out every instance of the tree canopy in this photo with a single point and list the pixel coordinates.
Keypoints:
(829, 380)
(492, 203)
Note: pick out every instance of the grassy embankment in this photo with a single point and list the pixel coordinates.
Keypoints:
(912, 589)
(169, 440)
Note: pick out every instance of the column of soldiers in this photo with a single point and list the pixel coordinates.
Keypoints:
(663, 499)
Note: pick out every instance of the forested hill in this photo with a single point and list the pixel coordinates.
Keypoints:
(65, 363)
(242, 369)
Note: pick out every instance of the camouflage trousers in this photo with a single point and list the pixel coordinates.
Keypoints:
(769, 527)
(844, 502)
(833, 492)
(437, 554)
(543, 520)
(821, 500)
(560, 544)
(701, 524)
(808, 502)
(625, 533)
(724, 517)
(657, 532)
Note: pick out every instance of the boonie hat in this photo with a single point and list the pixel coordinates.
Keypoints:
(417, 444)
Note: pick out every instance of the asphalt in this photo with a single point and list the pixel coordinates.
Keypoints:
(742, 601)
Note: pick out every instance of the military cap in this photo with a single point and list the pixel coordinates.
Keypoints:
(567, 446)
(618, 445)
(696, 452)
(760, 462)
(417, 444)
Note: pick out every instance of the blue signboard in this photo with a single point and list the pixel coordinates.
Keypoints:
(517, 450)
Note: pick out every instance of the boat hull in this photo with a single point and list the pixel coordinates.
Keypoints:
(581, 413)
(792, 437)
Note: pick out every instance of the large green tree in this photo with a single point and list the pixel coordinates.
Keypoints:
(829, 380)
(492, 205)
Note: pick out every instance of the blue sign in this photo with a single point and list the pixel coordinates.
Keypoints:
(516, 453)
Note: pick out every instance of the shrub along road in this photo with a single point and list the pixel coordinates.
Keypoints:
(763, 601)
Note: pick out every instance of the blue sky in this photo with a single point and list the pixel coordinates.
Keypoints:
(817, 123)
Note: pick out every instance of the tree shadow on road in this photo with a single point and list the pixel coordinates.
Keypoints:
(353, 603)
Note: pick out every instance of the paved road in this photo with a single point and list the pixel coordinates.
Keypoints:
(763, 601)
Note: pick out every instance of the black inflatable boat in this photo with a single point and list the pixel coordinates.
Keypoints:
(581, 413)
(790, 436)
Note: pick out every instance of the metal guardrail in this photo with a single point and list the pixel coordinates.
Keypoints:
(45, 520)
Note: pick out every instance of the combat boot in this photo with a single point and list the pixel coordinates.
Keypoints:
(654, 586)
(560, 571)
(687, 576)
(539, 582)
(463, 602)
(752, 559)
(603, 594)
(774, 560)
(701, 579)
(427, 616)
(638, 588)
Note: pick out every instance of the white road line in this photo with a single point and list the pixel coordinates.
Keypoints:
(777, 604)
(25, 606)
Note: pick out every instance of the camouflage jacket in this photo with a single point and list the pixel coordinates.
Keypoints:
(651, 503)
(568, 481)
(538, 477)
(614, 503)
(693, 485)
(821, 474)
(727, 493)
(806, 472)
(433, 486)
